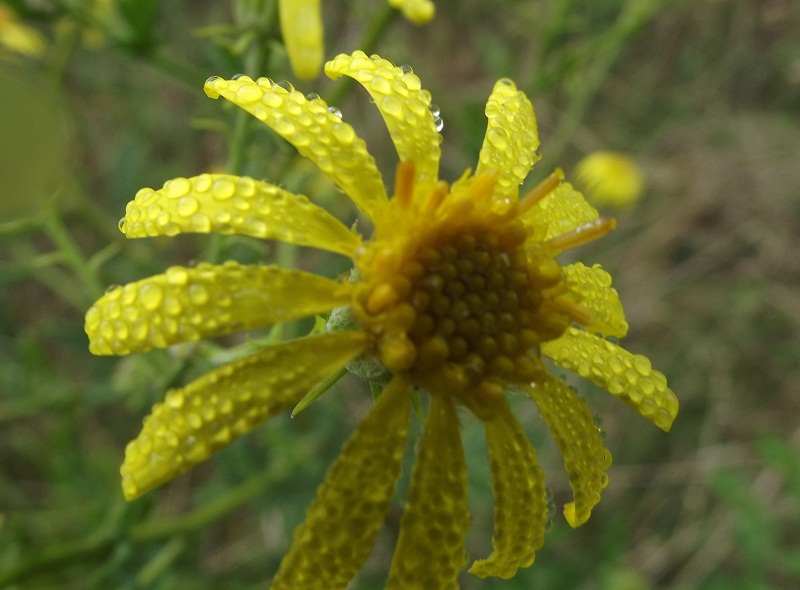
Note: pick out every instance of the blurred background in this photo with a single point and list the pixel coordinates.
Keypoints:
(101, 98)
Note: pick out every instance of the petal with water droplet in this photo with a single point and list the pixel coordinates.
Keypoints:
(341, 524)
(187, 304)
(236, 205)
(520, 502)
(509, 147)
(199, 419)
(593, 287)
(562, 210)
(626, 376)
(574, 429)
(430, 551)
(302, 122)
(404, 106)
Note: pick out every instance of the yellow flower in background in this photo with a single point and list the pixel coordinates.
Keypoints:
(17, 37)
(610, 178)
(303, 35)
(457, 294)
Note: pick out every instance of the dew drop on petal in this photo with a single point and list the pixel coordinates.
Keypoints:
(188, 206)
(344, 133)
(248, 94)
(406, 69)
(434, 109)
(438, 122)
(335, 111)
(151, 296)
(223, 189)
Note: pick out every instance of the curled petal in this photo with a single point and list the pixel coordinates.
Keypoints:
(197, 420)
(430, 551)
(626, 376)
(228, 204)
(579, 439)
(405, 106)
(562, 210)
(520, 503)
(302, 32)
(318, 134)
(187, 304)
(593, 285)
(509, 147)
(341, 524)
(418, 12)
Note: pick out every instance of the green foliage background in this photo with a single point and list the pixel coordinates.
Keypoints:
(705, 95)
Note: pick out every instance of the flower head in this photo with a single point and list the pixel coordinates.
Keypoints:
(458, 293)
(18, 37)
(610, 178)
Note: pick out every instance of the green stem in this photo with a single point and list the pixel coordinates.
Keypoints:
(55, 230)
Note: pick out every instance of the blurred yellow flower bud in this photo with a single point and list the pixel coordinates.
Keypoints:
(610, 178)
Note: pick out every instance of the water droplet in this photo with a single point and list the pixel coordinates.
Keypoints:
(198, 294)
(497, 138)
(211, 79)
(188, 206)
(391, 105)
(335, 111)
(344, 133)
(312, 96)
(285, 85)
(237, 76)
(177, 275)
(434, 109)
(380, 85)
(121, 225)
(438, 122)
(248, 94)
(111, 288)
(406, 69)
(505, 81)
(177, 187)
(200, 222)
(151, 295)
(223, 189)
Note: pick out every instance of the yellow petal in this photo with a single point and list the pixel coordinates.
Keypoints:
(301, 28)
(405, 106)
(235, 205)
(520, 503)
(562, 210)
(186, 304)
(509, 147)
(574, 430)
(593, 285)
(430, 551)
(195, 421)
(341, 524)
(418, 12)
(627, 376)
(316, 132)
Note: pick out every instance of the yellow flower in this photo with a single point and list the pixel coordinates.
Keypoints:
(457, 293)
(302, 31)
(610, 178)
(18, 37)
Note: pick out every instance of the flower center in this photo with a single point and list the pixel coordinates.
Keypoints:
(461, 304)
